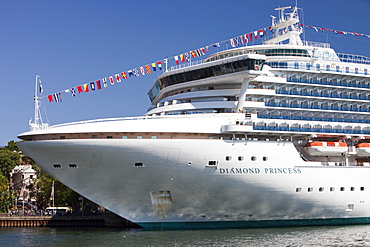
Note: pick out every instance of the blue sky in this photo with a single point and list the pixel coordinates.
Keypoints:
(69, 43)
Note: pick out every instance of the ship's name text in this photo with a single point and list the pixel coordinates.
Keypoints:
(258, 170)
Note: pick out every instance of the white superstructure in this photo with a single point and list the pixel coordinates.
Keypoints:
(256, 136)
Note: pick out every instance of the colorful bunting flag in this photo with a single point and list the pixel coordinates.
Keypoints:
(142, 70)
(79, 89)
(86, 87)
(57, 97)
(136, 72)
(73, 91)
(111, 80)
(124, 75)
(159, 65)
(105, 83)
(118, 78)
(154, 67)
(98, 84)
(92, 86)
(50, 98)
(147, 67)
(193, 54)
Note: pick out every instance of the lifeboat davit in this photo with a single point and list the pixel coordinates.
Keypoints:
(320, 148)
(363, 149)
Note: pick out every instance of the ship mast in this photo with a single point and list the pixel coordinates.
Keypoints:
(38, 122)
(286, 27)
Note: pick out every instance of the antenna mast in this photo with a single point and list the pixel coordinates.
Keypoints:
(37, 122)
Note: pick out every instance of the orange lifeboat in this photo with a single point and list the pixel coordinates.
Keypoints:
(321, 148)
(363, 149)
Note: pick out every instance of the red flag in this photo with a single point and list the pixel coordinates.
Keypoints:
(50, 97)
(79, 89)
(98, 84)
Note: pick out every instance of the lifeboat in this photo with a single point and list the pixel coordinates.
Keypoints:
(320, 148)
(363, 149)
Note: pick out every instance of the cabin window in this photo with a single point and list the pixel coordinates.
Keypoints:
(124, 137)
(321, 189)
(62, 137)
(241, 158)
(342, 189)
(228, 158)
(139, 137)
(299, 189)
(72, 166)
(362, 188)
(264, 158)
(154, 137)
(310, 189)
(253, 158)
(57, 166)
(109, 137)
(94, 136)
(212, 163)
(352, 188)
(138, 165)
(332, 189)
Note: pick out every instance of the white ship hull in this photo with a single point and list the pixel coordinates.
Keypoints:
(234, 193)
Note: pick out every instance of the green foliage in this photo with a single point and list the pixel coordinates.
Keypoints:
(12, 146)
(8, 160)
(63, 195)
(7, 196)
(4, 183)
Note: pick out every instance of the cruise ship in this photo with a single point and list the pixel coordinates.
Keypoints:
(268, 135)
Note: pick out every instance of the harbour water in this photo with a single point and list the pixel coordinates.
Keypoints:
(305, 236)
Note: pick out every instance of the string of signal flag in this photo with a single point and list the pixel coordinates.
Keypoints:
(241, 40)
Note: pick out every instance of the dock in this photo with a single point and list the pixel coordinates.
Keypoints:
(105, 219)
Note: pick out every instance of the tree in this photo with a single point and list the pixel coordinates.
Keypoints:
(64, 196)
(8, 160)
(7, 196)
(12, 146)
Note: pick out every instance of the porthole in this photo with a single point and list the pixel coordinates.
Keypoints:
(299, 189)
(332, 189)
(342, 189)
(352, 188)
(264, 158)
(253, 158)
(321, 189)
(228, 158)
(310, 189)
(241, 158)
(362, 188)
